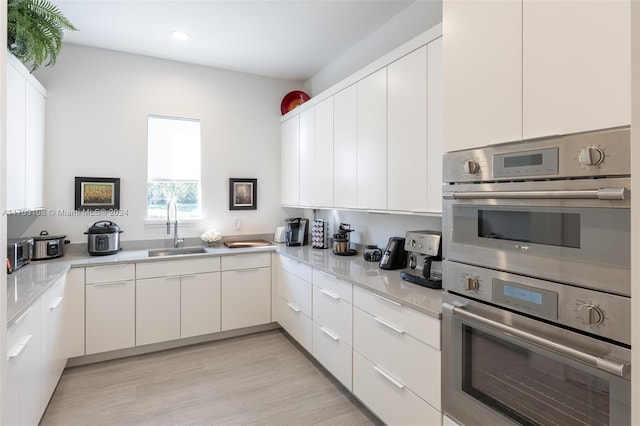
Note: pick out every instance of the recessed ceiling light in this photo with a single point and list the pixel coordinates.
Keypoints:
(180, 35)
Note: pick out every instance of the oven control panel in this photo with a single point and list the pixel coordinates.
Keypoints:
(603, 314)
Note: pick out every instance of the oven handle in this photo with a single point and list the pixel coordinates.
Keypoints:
(585, 194)
(610, 367)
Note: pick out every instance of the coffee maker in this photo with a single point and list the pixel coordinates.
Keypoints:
(425, 258)
(296, 231)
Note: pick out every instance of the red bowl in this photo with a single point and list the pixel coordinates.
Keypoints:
(292, 100)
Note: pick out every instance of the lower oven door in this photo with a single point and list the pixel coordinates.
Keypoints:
(500, 368)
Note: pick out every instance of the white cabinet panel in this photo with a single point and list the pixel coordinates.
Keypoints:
(290, 162)
(407, 154)
(434, 126)
(333, 353)
(246, 261)
(307, 154)
(576, 66)
(345, 148)
(168, 268)
(296, 291)
(324, 154)
(372, 141)
(388, 398)
(157, 310)
(296, 323)
(34, 148)
(296, 267)
(110, 316)
(74, 312)
(199, 304)
(482, 73)
(333, 313)
(341, 288)
(246, 298)
(108, 273)
(53, 351)
(16, 135)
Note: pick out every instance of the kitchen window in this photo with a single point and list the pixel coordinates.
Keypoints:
(173, 166)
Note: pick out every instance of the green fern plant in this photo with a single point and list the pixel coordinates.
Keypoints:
(34, 31)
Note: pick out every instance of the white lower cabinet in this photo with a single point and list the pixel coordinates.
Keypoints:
(246, 298)
(295, 322)
(157, 310)
(74, 320)
(333, 353)
(110, 319)
(53, 350)
(23, 404)
(199, 304)
(294, 300)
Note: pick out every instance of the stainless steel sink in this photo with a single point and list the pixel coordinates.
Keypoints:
(176, 251)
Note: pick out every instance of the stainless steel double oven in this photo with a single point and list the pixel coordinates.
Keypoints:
(536, 313)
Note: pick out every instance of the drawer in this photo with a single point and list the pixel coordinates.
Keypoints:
(333, 353)
(24, 325)
(246, 261)
(296, 267)
(409, 360)
(334, 314)
(109, 273)
(388, 398)
(333, 285)
(297, 324)
(419, 325)
(169, 268)
(295, 291)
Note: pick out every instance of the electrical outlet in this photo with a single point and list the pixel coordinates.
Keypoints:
(237, 225)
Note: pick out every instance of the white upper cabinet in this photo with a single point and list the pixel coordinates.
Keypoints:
(307, 157)
(290, 162)
(521, 69)
(482, 72)
(345, 148)
(372, 141)
(434, 126)
(576, 66)
(34, 148)
(324, 154)
(407, 156)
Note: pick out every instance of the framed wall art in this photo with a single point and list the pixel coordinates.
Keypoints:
(97, 193)
(243, 194)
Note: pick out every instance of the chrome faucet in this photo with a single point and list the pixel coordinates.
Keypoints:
(176, 240)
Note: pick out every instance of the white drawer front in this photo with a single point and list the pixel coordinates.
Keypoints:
(334, 354)
(22, 327)
(334, 314)
(296, 323)
(177, 267)
(296, 268)
(419, 325)
(110, 273)
(295, 291)
(385, 396)
(412, 362)
(246, 261)
(333, 285)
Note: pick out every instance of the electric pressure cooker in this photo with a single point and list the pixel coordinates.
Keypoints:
(103, 238)
(47, 246)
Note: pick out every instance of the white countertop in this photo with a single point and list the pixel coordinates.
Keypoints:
(28, 283)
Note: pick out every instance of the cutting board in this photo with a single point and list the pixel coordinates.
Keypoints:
(247, 243)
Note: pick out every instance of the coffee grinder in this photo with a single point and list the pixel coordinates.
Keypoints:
(425, 258)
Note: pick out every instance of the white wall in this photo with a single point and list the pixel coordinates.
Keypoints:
(409, 23)
(97, 106)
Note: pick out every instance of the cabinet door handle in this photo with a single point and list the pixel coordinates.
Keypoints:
(386, 324)
(56, 302)
(293, 307)
(330, 294)
(388, 300)
(21, 317)
(388, 377)
(110, 283)
(247, 270)
(15, 351)
(328, 333)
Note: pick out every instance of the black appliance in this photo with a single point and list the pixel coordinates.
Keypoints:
(395, 256)
(296, 231)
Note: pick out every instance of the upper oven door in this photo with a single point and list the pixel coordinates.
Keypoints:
(575, 232)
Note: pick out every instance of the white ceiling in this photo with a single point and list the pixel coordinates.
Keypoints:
(290, 40)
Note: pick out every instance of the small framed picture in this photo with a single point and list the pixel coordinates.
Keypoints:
(243, 194)
(97, 193)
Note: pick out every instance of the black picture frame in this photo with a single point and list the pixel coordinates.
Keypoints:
(243, 194)
(96, 193)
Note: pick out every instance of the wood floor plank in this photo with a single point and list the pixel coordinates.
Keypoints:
(260, 379)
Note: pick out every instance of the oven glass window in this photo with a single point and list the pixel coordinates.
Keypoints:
(528, 387)
(554, 229)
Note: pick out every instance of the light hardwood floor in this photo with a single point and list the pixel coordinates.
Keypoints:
(257, 379)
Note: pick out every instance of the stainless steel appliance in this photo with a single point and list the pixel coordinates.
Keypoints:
(537, 309)
(425, 256)
(342, 241)
(47, 246)
(103, 238)
(320, 234)
(394, 256)
(296, 231)
(19, 252)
